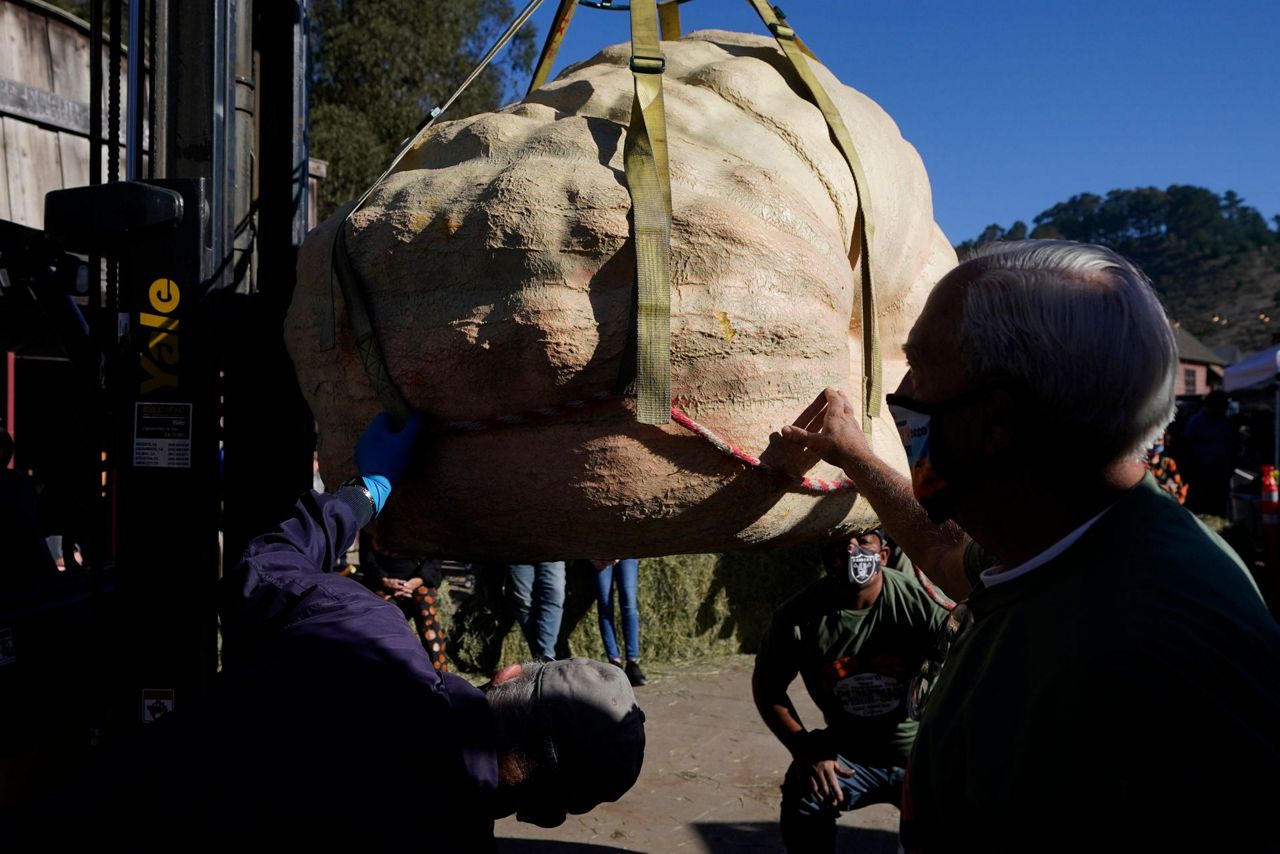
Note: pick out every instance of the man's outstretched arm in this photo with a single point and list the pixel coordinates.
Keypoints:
(277, 571)
(830, 429)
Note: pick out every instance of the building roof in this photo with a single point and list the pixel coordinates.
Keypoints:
(1190, 349)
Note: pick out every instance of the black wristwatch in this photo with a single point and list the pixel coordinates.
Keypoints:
(358, 484)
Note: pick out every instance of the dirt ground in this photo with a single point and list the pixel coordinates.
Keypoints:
(710, 779)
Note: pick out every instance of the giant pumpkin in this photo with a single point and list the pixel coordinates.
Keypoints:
(499, 273)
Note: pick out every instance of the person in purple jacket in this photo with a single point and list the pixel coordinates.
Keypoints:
(331, 727)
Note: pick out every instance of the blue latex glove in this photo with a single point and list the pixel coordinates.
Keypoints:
(383, 454)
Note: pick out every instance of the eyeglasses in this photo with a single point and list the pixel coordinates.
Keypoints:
(958, 622)
(941, 406)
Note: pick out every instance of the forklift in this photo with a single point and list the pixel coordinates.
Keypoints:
(160, 293)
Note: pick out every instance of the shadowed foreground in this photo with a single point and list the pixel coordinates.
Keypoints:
(710, 780)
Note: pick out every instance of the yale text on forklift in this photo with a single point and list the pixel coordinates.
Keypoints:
(160, 358)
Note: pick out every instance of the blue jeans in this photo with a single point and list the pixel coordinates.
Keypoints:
(535, 593)
(808, 825)
(627, 574)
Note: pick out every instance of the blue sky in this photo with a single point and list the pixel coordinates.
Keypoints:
(1015, 106)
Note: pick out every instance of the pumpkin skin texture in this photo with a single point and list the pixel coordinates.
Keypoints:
(499, 273)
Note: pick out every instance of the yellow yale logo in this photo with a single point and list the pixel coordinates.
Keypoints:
(160, 359)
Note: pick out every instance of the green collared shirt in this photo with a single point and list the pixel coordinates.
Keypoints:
(1122, 695)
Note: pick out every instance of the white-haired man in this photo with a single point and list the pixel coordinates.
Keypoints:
(1111, 681)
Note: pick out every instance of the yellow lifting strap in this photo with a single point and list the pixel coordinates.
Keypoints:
(551, 47)
(669, 19)
(649, 181)
(796, 52)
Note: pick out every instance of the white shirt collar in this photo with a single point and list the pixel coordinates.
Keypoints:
(999, 574)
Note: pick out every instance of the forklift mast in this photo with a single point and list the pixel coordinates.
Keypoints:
(201, 438)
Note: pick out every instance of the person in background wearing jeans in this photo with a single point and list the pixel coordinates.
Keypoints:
(626, 571)
(535, 592)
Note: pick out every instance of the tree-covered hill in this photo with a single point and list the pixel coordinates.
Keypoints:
(1214, 260)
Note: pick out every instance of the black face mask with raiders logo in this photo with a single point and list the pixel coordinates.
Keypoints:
(858, 567)
(862, 565)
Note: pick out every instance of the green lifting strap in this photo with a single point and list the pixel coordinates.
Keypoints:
(648, 180)
(551, 47)
(796, 51)
(669, 19)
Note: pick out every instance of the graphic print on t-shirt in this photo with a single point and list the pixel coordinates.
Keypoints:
(867, 687)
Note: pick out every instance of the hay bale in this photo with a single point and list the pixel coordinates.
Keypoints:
(691, 607)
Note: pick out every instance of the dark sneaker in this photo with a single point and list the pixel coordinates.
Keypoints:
(634, 674)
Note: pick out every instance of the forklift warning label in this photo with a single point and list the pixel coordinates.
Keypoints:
(162, 435)
(156, 703)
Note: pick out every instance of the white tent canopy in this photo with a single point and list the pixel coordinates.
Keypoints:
(1257, 373)
(1257, 370)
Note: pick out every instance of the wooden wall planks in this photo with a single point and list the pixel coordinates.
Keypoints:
(69, 59)
(35, 167)
(74, 153)
(48, 52)
(24, 40)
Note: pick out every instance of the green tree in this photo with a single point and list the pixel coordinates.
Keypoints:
(378, 66)
(1194, 221)
(1210, 257)
(1145, 221)
(79, 8)
(991, 234)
